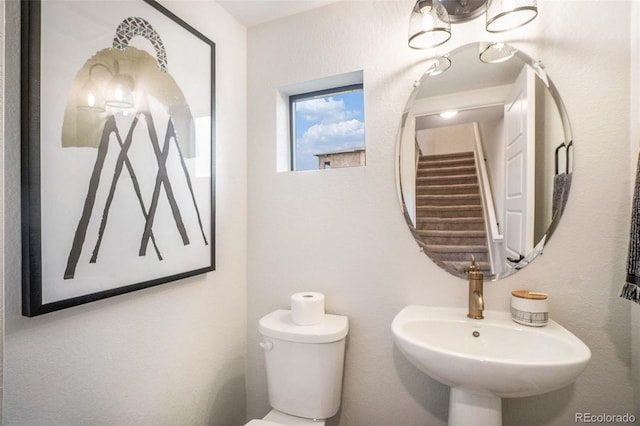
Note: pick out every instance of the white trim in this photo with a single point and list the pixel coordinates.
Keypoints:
(347, 79)
(495, 238)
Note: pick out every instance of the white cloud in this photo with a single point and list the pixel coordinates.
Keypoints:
(341, 134)
(327, 110)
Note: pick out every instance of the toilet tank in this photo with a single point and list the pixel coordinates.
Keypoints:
(304, 364)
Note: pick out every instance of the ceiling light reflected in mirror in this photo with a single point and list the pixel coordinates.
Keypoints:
(448, 114)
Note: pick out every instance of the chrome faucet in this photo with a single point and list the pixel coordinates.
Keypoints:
(476, 300)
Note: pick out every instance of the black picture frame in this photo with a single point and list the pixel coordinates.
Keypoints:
(39, 215)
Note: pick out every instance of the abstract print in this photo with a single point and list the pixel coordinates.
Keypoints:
(120, 81)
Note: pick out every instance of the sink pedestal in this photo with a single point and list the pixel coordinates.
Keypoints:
(467, 408)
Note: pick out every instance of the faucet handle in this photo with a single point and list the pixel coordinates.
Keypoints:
(474, 270)
(474, 266)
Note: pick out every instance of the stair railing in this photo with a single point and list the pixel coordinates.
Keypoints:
(492, 230)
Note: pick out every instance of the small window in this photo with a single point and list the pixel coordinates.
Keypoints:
(327, 128)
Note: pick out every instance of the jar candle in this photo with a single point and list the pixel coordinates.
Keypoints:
(530, 308)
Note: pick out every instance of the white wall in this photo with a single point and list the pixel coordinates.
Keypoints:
(172, 354)
(445, 140)
(341, 232)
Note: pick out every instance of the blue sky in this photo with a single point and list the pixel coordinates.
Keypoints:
(328, 124)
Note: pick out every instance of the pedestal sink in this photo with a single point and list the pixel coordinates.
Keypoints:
(486, 360)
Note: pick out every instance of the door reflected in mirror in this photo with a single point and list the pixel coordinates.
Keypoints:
(485, 160)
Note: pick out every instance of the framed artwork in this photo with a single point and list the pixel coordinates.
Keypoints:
(118, 169)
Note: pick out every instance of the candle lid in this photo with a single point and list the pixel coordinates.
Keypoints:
(526, 294)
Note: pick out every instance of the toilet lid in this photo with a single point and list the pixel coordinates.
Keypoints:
(279, 325)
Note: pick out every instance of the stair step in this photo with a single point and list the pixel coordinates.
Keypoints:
(451, 155)
(449, 211)
(457, 249)
(462, 188)
(446, 180)
(452, 224)
(451, 233)
(446, 171)
(456, 241)
(448, 199)
(457, 253)
(428, 161)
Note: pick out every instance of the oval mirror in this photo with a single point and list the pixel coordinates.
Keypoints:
(485, 160)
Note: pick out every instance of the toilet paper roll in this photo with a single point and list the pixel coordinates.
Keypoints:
(307, 308)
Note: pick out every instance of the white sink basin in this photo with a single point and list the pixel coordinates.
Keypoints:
(485, 360)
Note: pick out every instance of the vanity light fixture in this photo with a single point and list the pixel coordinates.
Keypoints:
(429, 24)
(505, 15)
(430, 21)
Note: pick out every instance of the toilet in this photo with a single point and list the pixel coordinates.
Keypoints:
(304, 366)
